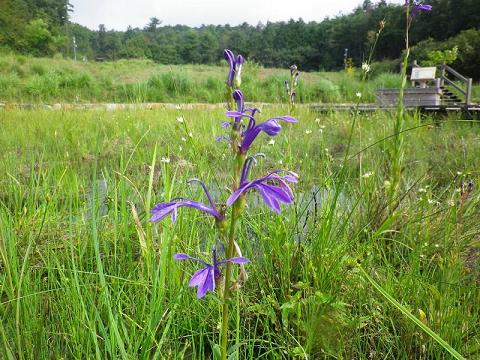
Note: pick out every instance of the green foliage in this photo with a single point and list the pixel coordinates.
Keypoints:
(463, 60)
(40, 27)
(447, 56)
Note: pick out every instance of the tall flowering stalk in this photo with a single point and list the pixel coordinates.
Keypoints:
(367, 65)
(412, 9)
(291, 87)
(274, 188)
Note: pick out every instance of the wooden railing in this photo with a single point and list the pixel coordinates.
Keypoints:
(467, 92)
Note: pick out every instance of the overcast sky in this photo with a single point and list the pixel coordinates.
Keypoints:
(118, 14)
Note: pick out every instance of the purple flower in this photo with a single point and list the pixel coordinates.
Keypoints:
(206, 277)
(161, 210)
(249, 133)
(235, 67)
(417, 7)
(273, 188)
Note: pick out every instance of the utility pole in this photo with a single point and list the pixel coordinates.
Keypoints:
(345, 58)
(74, 49)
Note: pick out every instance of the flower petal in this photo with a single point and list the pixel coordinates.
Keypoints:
(199, 277)
(270, 200)
(208, 284)
(235, 260)
(160, 211)
(182, 256)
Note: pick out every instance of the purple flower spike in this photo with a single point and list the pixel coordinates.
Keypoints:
(206, 277)
(235, 67)
(162, 210)
(273, 188)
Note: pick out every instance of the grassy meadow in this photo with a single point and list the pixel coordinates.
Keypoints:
(37, 80)
(84, 275)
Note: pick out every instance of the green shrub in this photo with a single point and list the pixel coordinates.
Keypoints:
(38, 69)
(176, 83)
(17, 69)
(325, 90)
(21, 59)
(74, 80)
(388, 81)
(43, 87)
(385, 66)
(8, 84)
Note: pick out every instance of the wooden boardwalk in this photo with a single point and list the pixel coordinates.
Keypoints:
(325, 108)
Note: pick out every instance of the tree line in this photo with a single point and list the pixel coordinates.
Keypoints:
(42, 28)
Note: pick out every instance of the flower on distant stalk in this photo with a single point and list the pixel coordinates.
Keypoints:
(249, 133)
(273, 188)
(366, 67)
(293, 70)
(205, 279)
(162, 210)
(417, 7)
(235, 73)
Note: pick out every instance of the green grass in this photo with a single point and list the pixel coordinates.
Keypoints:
(80, 278)
(38, 80)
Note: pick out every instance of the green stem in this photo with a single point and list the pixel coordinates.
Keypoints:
(226, 290)
(399, 123)
(236, 208)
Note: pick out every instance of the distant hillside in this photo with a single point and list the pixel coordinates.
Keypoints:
(42, 28)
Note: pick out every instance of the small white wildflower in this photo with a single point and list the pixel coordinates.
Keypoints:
(280, 162)
(271, 142)
(178, 107)
(451, 203)
(180, 148)
(308, 132)
(437, 245)
(317, 120)
(422, 190)
(358, 94)
(366, 67)
(322, 126)
(165, 160)
(183, 139)
(190, 135)
(180, 119)
(367, 175)
(431, 201)
(459, 173)
(321, 131)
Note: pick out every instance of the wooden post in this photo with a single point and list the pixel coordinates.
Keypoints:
(442, 75)
(468, 96)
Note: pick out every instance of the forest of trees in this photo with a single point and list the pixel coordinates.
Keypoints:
(42, 28)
